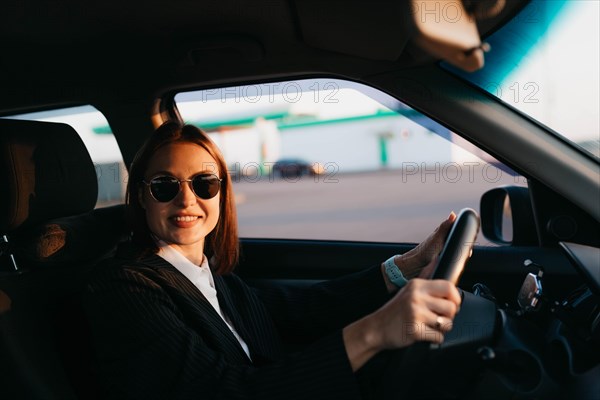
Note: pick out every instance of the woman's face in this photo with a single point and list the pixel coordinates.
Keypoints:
(186, 220)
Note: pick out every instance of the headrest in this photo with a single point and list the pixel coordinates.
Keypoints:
(45, 172)
(79, 238)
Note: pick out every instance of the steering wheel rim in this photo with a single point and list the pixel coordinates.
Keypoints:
(458, 246)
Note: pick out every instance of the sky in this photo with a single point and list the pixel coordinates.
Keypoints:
(559, 82)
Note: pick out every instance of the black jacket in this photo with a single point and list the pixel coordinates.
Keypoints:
(156, 336)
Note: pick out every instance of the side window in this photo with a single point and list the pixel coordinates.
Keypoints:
(95, 132)
(335, 160)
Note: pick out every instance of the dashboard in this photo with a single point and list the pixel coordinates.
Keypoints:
(539, 348)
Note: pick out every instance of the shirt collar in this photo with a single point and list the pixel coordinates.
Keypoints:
(191, 271)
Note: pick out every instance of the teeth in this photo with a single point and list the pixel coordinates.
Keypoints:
(188, 218)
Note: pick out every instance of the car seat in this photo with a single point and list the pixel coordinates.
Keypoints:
(51, 236)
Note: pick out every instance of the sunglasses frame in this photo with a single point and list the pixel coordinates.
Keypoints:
(180, 181)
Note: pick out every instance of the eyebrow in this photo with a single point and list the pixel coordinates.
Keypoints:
(162, 172)
(169, 173)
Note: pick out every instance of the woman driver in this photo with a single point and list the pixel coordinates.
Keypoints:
(171, 320)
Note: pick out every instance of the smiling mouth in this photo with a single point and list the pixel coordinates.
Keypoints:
(187, 218)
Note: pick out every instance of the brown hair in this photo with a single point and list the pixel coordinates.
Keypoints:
(222, 243)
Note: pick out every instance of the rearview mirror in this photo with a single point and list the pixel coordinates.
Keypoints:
(447, 29)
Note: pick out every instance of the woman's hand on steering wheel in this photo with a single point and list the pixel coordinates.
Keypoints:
(421, 260)
(422, 310)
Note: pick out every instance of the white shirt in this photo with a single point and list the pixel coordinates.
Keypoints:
(201, 277)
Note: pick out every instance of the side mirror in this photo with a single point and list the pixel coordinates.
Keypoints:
(507, 216)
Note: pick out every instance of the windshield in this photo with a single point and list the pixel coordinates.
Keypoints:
(545, 63)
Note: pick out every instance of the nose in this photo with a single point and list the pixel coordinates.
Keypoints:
(186, 196)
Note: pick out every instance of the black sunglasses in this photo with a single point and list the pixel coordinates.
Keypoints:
(165, 188)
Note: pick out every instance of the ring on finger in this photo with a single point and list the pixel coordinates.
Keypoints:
(439, 321)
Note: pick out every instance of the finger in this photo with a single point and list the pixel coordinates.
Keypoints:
(443, 307)
(445, 226)
(444, 289)
(432, 321)
(433, 328)
(434, 244)
(427, 272)
(452, 217)
(441, 324)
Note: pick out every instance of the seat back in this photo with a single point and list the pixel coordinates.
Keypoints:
(52, 237)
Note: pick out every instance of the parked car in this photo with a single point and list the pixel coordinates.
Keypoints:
(529, 326)
(296, 168)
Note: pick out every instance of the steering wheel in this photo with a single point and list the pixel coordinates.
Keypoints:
(458, 247)
(405, 365)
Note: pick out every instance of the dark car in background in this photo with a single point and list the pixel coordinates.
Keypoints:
(290, 168)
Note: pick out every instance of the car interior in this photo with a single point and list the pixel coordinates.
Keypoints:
(529, 326)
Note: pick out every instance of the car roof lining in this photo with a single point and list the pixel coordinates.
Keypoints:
(53, 50)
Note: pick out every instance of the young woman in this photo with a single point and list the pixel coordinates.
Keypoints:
(170, 319)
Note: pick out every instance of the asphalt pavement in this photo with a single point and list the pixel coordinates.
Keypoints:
(381, 206)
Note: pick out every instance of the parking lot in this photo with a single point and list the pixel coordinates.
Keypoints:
(388, 206)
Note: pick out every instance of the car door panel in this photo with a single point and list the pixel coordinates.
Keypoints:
(302, 262)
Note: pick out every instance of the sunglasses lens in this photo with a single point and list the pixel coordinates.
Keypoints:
(206, 186)
(164, 188)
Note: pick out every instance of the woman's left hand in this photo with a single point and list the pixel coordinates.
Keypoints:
(420, 261)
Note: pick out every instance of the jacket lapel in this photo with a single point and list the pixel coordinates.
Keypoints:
(228, 307)
(197, 310)
(250, 320)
